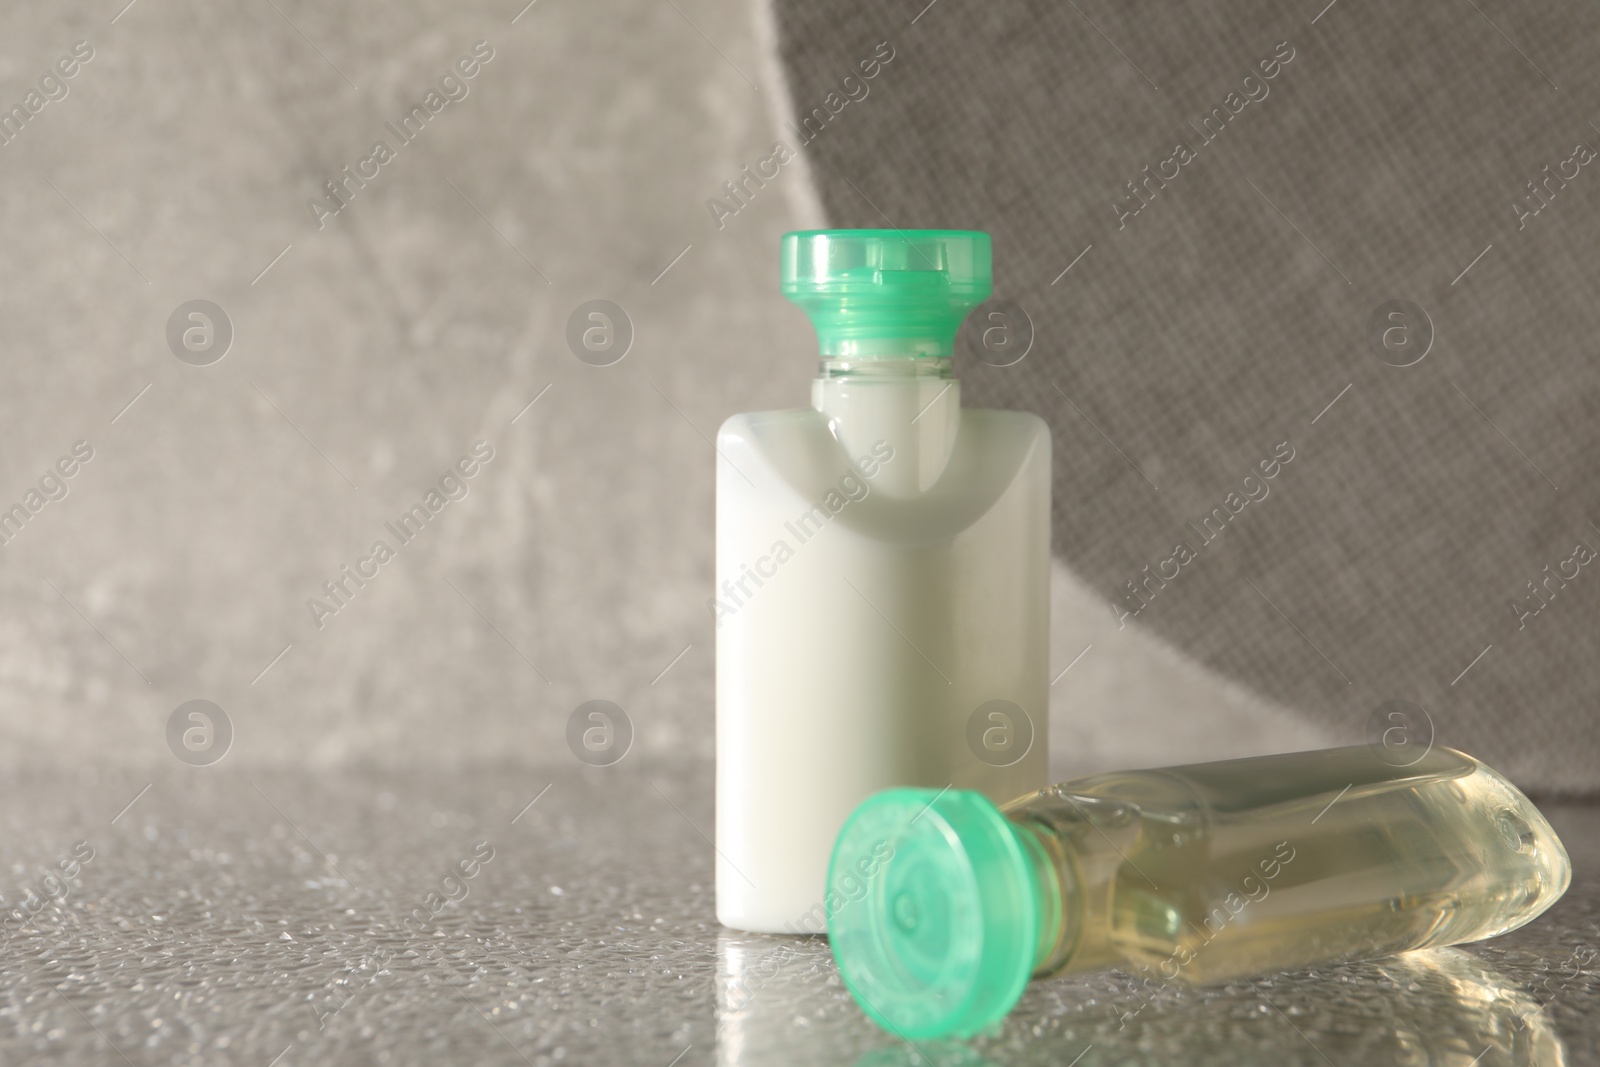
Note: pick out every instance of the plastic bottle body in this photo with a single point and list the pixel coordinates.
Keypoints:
(882, 583)
(944, 907)
(1215, 871)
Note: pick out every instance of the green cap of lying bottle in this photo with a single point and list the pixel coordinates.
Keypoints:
(941, 938)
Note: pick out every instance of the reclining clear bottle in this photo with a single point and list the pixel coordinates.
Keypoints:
(941, 906)
(882, 587)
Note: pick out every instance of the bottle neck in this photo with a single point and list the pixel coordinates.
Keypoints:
(907, 407)
(1059, 883)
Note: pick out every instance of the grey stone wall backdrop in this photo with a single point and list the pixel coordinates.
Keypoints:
(367, 356)
(1240, 300)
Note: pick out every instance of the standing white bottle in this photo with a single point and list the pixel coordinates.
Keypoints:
(882, 586)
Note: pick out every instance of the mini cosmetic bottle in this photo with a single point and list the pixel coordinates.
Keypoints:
(882, 575)
(941, 906)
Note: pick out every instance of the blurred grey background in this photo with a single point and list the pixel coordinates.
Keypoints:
(584, 158)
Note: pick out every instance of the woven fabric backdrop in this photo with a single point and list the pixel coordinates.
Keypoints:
(1229, 224)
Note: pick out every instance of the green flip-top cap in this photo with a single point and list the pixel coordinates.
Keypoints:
(886, 294)
(942, 936)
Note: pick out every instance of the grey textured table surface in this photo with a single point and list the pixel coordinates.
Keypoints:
(242, 917)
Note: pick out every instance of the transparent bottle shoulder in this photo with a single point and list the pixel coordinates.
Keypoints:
(749, 429)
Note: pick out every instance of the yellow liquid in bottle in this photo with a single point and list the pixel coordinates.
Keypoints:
(1214, 871)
